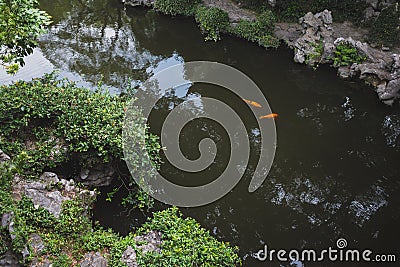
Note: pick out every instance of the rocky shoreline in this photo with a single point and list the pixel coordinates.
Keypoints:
(50, 193)
(381, 68)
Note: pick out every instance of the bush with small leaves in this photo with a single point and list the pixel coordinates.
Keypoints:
(259, 31)
(47, 123)
(212, 21)
(185, 243)
(177, 7)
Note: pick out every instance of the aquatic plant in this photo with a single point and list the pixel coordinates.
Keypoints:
(212, 21)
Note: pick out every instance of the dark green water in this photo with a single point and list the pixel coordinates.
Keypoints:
(336, 173)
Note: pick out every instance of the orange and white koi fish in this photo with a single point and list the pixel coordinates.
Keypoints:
(252, 103)
(269, 116)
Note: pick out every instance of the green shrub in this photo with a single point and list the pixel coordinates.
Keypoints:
(259, 31)
(386, 29)
(177, 7)
(84, 121)
(185, 243)
(212, 21)
(345, 55)
(47, 123)
(62, 260)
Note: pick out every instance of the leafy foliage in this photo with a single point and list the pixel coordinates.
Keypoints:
(386, 29)
(177, 7)
(185, 243)
(47, 113)
(212, 21)
(69, 237)
(21, 23)
(47, 123)
(292, 10)
(259, 31)
(316, 56)
(346, 54)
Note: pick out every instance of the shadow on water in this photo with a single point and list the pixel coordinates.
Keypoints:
(336, 172)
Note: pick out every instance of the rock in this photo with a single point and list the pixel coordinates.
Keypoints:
(379, 68)
(100, 175)
(36, 244)
(50, 192)
(139, 2)
(396, 61)
(6, 219)
(316, 32)
(299, 57)
(309, 21)
(42, 263)
(326, 16)
(373, 3)
(49, 178)
(9, 260)
(329, 50)
(153, 240)
(272, 3)
(391, 91)
(373, 69)
(344, 72)
(3, 156)
(395, 66)
(129, 257)
(50, 201)
(369, 13)
(93, 259)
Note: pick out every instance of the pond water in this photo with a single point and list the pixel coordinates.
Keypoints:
(336, 172)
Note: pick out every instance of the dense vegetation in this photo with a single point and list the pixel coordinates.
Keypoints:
(21, 23)
(212, 21)
(292, 10)
(386, 29)
(68, 238)
(345, 55)
(260, 31)
(177, 7)
(48, 122)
